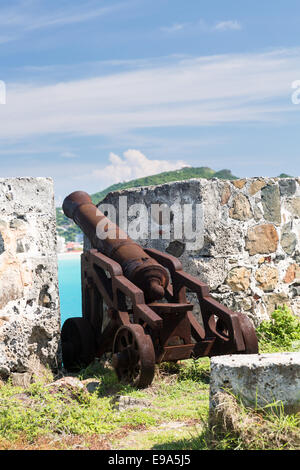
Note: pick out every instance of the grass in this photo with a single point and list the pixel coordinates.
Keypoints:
(237, 427)
(177, 418)
(37, 413)
(280, 333)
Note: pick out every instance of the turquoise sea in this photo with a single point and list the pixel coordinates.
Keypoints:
(69, 282)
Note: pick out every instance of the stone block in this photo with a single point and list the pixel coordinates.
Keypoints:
(29, 301)
(262, 239)
(258, 379)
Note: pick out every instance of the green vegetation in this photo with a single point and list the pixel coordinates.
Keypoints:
(65, 227)
(175, 416)
(281, 333)
(236, 427)
(35, 414)
(284, 175)
(185, 173)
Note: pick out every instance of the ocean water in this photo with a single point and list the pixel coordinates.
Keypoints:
(69, 283)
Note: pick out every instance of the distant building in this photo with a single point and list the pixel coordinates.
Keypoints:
(74, 246)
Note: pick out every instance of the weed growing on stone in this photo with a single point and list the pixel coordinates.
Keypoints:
(281, 333)
(236, 427)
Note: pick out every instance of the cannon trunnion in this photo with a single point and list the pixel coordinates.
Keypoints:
(134, 306)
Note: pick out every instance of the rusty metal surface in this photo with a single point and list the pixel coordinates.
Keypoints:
(111, 241)
(119, 315)
(133, 356)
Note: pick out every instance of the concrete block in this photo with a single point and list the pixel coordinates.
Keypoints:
(258, 379)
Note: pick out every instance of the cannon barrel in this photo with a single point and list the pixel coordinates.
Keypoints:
(110, 240)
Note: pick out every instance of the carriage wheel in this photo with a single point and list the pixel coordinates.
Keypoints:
(78, 344)
(134, 356)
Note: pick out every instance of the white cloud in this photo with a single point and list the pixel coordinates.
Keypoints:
(203, 26)
(22, 16)
(69, 155)
(228, 26)
(134, 165)
(174, 27)
(5, 39)
(199, 91)
(65, 17)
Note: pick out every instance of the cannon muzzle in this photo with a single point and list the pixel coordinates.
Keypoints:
(110, 240)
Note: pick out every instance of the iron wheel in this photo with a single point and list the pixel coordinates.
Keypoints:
(133, 356)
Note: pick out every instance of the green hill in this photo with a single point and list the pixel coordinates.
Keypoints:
(284, 175)
(67, 229)
(185, 173)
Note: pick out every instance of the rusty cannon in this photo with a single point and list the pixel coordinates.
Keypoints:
(135, 306)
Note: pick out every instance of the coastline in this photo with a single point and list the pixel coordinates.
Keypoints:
(69, 255)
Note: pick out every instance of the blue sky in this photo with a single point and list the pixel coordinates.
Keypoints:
(103, 91)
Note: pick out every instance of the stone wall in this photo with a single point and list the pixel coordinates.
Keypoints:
(250, 255)
(29, 302)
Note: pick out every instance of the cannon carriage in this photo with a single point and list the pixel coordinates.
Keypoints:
(135, 306)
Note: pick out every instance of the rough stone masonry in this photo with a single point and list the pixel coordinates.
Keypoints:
(29, 301)
(257, 380)
(250, 256)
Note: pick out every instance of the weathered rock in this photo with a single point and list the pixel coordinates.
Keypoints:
(258, 380)
(275, 300)
(292, 273)
(270, 197)
(122, 403)
(239, 183)
(222, 241)
(176, 248)
(262, 239)
(239, 279)
(287, 187)
(91, 385)
(28, 266)
(241, 209)
(288, 239)
(70, 387)
(267, 278)
(2, 246)
(225, 195)
(256, 186)
(257, 213)
(209, 271)
(293, 206)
